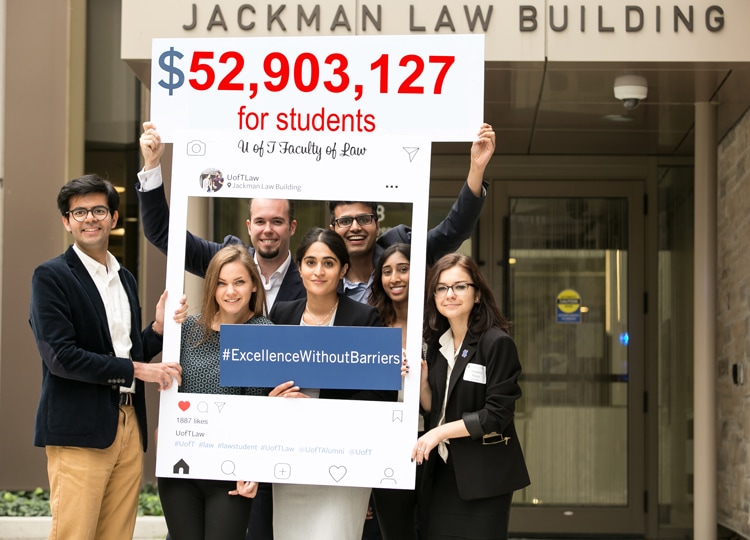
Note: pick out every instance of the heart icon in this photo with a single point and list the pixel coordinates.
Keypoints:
(336, 472)
(184, 405)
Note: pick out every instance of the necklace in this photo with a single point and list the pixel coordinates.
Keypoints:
(314, 320)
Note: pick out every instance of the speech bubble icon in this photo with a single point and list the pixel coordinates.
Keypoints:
(337, 472)
(227, 467)
(398, 416)
(183, 405)
(202, 406)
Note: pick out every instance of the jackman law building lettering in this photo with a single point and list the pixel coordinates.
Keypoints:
(525, 31)
(561, 18)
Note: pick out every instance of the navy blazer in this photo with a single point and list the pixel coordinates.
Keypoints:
(199, 252)
(348, 313)
(81, 376)
(489, 462)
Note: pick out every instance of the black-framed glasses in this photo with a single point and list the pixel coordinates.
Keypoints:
(458, 288)
(80, 213)
(346, 221)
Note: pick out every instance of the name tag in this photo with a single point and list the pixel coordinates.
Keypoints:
(475, 373)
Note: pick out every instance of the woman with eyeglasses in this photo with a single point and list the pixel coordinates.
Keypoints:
(307, 511)
(197, 509)
(472, 455)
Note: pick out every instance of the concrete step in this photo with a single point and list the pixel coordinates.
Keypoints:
(37, 528)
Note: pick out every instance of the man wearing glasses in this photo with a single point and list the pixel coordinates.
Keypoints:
(86, 320)
(357, 224)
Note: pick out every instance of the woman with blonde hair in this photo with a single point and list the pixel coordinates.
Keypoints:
(233, 294)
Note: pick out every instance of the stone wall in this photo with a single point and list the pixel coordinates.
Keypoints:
(733, 327)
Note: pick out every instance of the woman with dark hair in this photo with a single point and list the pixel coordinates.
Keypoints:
(469, 387)
(306, 511)
(396, 509)
(389, 293)
(233, 294)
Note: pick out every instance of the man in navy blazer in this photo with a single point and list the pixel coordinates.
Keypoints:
(86, 320)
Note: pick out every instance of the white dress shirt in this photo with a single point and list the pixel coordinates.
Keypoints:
(116, 304)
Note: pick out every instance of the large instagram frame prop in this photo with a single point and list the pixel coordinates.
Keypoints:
(314, 441)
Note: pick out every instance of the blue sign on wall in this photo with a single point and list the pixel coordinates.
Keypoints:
(339, 357)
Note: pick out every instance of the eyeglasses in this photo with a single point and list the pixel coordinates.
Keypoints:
(80, 214)
(346, 221)
(458, 288)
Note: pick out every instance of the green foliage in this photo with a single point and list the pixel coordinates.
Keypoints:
(36, 502)
(24, 503)
(149, 503)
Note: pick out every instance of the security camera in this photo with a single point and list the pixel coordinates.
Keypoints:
(631, 89)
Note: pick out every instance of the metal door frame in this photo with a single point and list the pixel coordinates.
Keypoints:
(630, 519)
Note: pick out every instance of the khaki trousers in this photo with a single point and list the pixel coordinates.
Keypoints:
(93, 492)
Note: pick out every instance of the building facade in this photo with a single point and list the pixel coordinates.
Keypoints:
(613, 235)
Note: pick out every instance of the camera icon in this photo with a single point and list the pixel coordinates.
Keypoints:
(196, 148)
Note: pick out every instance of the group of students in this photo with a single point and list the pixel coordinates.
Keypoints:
(86, 319)
(468, 388)
(471, 453)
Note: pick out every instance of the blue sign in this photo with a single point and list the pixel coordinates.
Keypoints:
(340, 357)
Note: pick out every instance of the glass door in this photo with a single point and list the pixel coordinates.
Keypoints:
(570, 268)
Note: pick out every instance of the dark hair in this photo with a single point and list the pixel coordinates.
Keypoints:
(332, 240)
(333, 204)
(290, 211)
(86, 185)
(484, 314)
(224, 256)
(378, 296)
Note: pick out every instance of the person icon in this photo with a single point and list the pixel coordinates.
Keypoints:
(388, 477)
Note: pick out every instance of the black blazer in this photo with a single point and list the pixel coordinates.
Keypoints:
(489, 462)
(81, 376)
(448, 235)
(348, 313)
(199, 252)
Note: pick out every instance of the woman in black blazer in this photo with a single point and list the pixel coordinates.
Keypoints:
(469, 388)
(305, 511)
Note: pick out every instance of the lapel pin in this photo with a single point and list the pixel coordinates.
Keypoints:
(465, 353)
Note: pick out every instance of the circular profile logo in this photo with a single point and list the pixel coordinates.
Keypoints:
(211, 180)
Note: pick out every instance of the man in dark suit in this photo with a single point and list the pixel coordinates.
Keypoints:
(270, 224)
(86, 320)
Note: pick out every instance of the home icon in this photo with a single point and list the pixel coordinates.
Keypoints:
(181, 467)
